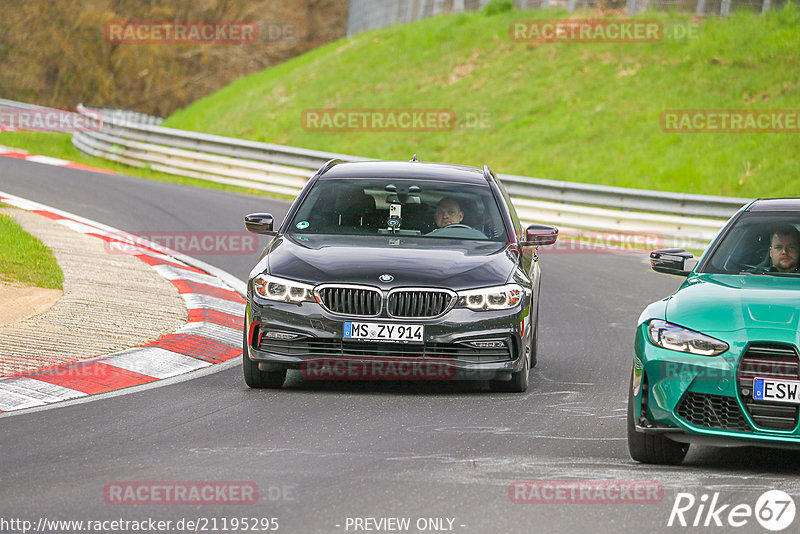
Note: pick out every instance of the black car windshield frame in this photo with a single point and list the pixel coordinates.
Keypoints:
(406, 207)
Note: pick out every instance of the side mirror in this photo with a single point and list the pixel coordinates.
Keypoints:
(259, 223)
(671, 261)
(540, 235)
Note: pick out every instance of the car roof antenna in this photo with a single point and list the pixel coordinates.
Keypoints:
(414, 158)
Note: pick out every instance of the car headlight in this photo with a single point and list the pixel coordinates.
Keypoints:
(282, 290)
(673, 337)
(491, 298)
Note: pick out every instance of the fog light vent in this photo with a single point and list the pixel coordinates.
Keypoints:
(278, 335)
(488, 344)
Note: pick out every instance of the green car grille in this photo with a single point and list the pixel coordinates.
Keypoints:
(712, 411)
(768, 360)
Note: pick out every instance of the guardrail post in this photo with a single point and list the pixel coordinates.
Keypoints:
(421, 7)
(701, 8)
(765, 6)
(725, 8)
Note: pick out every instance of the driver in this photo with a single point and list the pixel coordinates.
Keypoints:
(784, 249)
(448, 211)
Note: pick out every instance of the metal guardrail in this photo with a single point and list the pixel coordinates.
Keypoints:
(124, 116)
(624, 198)
(137, 139)
(19, 105)
(216, 144)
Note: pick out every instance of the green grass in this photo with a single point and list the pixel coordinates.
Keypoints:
(585, 112)
(59, 145)
(24, 259)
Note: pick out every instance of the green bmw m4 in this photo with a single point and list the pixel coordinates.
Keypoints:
(716, 362)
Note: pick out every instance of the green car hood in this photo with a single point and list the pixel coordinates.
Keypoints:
(726, 303)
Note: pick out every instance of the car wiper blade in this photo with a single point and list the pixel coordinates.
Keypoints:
(771, 273)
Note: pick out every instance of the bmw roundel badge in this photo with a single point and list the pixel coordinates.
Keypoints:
(386, 278)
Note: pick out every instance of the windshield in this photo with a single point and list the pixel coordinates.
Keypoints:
(410, 208)
(766, 243)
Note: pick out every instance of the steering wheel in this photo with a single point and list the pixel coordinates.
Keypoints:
(436, 231)
(753, 269)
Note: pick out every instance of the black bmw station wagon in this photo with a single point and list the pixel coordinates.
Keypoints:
(396, 270)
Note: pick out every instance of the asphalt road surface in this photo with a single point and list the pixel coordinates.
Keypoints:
(340, 457)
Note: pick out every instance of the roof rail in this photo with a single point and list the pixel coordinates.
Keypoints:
(328, 165)
(487, 173)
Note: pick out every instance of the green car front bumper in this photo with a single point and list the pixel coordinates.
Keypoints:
(709, 399)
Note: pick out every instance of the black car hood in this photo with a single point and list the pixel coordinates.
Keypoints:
(455, 264)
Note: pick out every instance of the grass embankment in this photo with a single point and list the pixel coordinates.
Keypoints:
(587, 112)
(24, 259)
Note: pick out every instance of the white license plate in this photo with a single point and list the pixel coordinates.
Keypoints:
(409, 333)
(770, 389)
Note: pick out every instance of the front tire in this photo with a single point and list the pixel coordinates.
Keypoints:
(519, 379)
(652, 448)
(256, 378)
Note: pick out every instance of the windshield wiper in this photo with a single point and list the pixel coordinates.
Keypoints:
(771, 273)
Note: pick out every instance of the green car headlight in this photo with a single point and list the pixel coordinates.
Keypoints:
(282, 290)
(673, 337)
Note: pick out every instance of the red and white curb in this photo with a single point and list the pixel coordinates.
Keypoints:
(47, 160)
(212, 335)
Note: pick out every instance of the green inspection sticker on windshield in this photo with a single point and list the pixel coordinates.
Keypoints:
(302, 225)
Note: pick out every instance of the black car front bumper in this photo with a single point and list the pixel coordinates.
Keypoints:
(446, 353)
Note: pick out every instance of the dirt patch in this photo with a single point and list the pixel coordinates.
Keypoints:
(18, 303)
